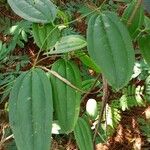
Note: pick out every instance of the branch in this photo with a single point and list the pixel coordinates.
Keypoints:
(61, 78)
(6, 139)
(104, 102)
(92, 88)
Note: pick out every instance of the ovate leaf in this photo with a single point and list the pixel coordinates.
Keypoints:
(83, 135)
(87, 61)
(45, 36)
(66, 99)
(110, 46)
(39, 11)
(31, 111)
(69, 43)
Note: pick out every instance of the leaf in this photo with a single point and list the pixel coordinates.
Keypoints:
(87, 84)
(132, 97)
(144, 44)
(87, 61)
(113, 116)
(31, 110)
(39, 11)
(45, 35)
(110, 46)
(137, 20)
(68, 43)
(66, 99)
(83, 135)
(19, 31)
(3, 50)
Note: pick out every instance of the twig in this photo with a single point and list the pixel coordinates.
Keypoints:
(104, 102)
(61, 78)
(93, 86)
(36, 59)
(73, 21)
(68, 82)
(6, 139)
(134, 12)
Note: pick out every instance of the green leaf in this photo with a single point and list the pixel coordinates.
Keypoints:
(31, 110)
(87, 61)
(83, 135)
(39, 11)
(87, 84)
(45, 36)
(68, 43)
(138, 18)
(66, 99)
(132, 97)
(3, 50)
(144, 44)
(113, 116)
(110, 46)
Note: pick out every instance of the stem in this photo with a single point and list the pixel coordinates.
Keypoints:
(35, 62)
(47, 58)
(6, 139)
(92, 88)
(61, 78)
(104, 102)
(79, 18)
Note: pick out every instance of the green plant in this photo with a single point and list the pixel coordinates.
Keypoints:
(107, 50)
(83, 135)
(65, 67)
(30, 110)
(67, 103)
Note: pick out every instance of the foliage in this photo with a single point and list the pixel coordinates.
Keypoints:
(42, 11)
(20, 32)
(45, 36)
(101, 29)
(83, 135)
(30, 90)
(72, 70)
(67, 103)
